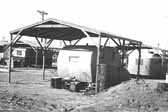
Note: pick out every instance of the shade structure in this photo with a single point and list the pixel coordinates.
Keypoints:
(61, 30)
(54, 29)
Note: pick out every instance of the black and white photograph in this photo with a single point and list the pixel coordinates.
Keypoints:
(84, 56)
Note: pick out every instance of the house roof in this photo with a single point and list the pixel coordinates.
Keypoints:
(3, 42)
(29, 42)
(156, 48)
(61, 30)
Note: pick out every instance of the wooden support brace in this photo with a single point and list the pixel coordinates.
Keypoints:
(64, 42)
(115, 41)
(88, 36)
(49, 43)
(15, 38)
(13, 42)
(34, 49)
(119, 41)
(70, 43)
(131, 52)
(106, 41)
(76, 42)
(39, 43)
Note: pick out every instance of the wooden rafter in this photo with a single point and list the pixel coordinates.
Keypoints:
(76, 42)
(49, 43)
(70, 43)
(106, 41)
(115, 42)
(39, 43)
(119, 40)
(88, 36)
(64, 42)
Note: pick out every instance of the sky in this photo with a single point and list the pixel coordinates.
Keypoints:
(143, 20)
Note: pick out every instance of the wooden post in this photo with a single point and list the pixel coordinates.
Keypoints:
(139, 62)
(10, 55)
(43, 64)
(64, 42)
(102, 77)
(44, 59)
(98, 62)
(43, 52)
(36, 58)
(123, 52)
(162, 67)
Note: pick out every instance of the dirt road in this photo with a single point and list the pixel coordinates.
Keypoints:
(29, 93)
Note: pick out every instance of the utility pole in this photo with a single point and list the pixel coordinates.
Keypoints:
(42, 13)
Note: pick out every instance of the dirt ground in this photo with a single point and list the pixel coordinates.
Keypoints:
(29, 93)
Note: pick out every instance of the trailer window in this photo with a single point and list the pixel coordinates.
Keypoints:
(141, 62)
(73, 59)
(19, 52)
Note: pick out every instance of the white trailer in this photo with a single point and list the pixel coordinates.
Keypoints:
(151, 64)
(80, 62)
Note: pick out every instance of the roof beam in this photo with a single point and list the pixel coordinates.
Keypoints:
(52, 26)
(88, 36)
(58, 22)
(118, 37)
(62, 24)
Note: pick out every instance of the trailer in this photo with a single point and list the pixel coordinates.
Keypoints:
(152, 64)
(79, 62)
(24, 54)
